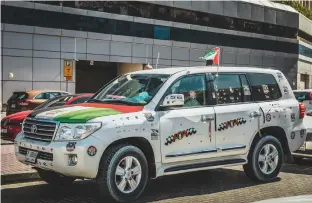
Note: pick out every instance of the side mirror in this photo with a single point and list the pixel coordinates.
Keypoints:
(173, 100)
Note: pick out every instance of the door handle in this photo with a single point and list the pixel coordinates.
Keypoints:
(207, 118)
(254, 114)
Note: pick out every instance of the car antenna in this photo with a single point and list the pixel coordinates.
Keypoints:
(157, 60)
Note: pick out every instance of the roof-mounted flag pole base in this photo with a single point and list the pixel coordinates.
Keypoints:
(209, 62)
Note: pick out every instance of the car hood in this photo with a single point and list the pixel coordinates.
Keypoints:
(17, 116)
(81, 113)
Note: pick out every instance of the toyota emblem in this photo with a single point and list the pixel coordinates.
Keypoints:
(33, 129)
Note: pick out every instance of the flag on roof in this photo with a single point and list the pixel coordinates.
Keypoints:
(213, 54)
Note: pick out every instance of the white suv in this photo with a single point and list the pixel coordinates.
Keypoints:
(152, 123)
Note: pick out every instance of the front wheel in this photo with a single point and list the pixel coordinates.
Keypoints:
(123, 173)
(55, 179)
(265, 159)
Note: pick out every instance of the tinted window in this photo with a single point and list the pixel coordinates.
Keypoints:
(228, 89)
(41, 96)
(25, 16)
(193, 88)
(264, 87)
(161, 32)
(301, 96)
(19, 95)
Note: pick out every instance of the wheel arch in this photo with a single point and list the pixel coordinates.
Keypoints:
(276, 132)
(144, 145)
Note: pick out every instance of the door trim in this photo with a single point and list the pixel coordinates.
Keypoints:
(204, 165)
(191, 153)
(219, 149)
(234, 147)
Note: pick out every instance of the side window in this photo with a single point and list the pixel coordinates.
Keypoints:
(193, 88)
(264, 87)
(51, 95)
(246, 88)
(228, 89)
(41, 96)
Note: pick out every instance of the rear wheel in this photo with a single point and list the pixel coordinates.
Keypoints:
(265, 159)
(123, 173)
(55, 179)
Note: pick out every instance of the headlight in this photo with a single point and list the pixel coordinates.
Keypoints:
(68, 131)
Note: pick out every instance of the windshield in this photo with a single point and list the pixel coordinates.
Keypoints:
(132, 89)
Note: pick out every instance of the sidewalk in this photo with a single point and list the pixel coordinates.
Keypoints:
(11, 169)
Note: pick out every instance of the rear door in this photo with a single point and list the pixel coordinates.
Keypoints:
(237, 119)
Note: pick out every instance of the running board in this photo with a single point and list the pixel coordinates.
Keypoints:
(204, 165)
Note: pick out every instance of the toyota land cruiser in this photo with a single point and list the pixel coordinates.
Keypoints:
(152, 123)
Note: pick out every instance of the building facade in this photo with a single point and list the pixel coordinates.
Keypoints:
(105, 39)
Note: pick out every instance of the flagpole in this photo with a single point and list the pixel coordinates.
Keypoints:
(219, 62)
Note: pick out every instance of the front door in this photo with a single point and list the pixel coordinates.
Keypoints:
(188, 133)
(237, 120)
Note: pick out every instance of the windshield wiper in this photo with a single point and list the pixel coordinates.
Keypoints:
(94, 101)
(121, 102)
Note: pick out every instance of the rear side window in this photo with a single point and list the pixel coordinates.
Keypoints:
(264, 87)
(228, 89)
(47, 95)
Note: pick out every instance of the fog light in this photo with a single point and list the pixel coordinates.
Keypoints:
(72, 159)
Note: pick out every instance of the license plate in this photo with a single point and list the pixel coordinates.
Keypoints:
(303, 147)
(13, 106)
(4, 130)
(31, 156)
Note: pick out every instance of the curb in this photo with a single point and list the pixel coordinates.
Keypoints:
(24, 176)
(6, 143)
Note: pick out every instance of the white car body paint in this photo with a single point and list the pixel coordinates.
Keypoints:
(208, 144)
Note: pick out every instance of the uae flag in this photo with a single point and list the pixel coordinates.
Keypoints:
(213, 54)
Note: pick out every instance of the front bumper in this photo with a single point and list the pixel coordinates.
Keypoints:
(55, 156)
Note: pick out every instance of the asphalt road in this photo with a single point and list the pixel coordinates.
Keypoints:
(218, 185)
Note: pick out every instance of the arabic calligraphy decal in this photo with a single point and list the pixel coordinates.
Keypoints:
(180, 135)
(231, 123)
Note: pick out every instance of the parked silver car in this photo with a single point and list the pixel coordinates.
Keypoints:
(306, 150)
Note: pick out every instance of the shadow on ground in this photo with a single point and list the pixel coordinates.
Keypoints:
(190, 184)
(302, 167)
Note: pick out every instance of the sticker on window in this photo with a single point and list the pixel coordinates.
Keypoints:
(265, 89)
(246, 90)
(193, 95)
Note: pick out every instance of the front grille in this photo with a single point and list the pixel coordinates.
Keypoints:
(41, 155)
(44, 129)
(309, 137)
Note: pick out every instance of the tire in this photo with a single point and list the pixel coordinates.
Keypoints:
(255, 167)
(297, 160)
(107, 179)
(55, 179)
